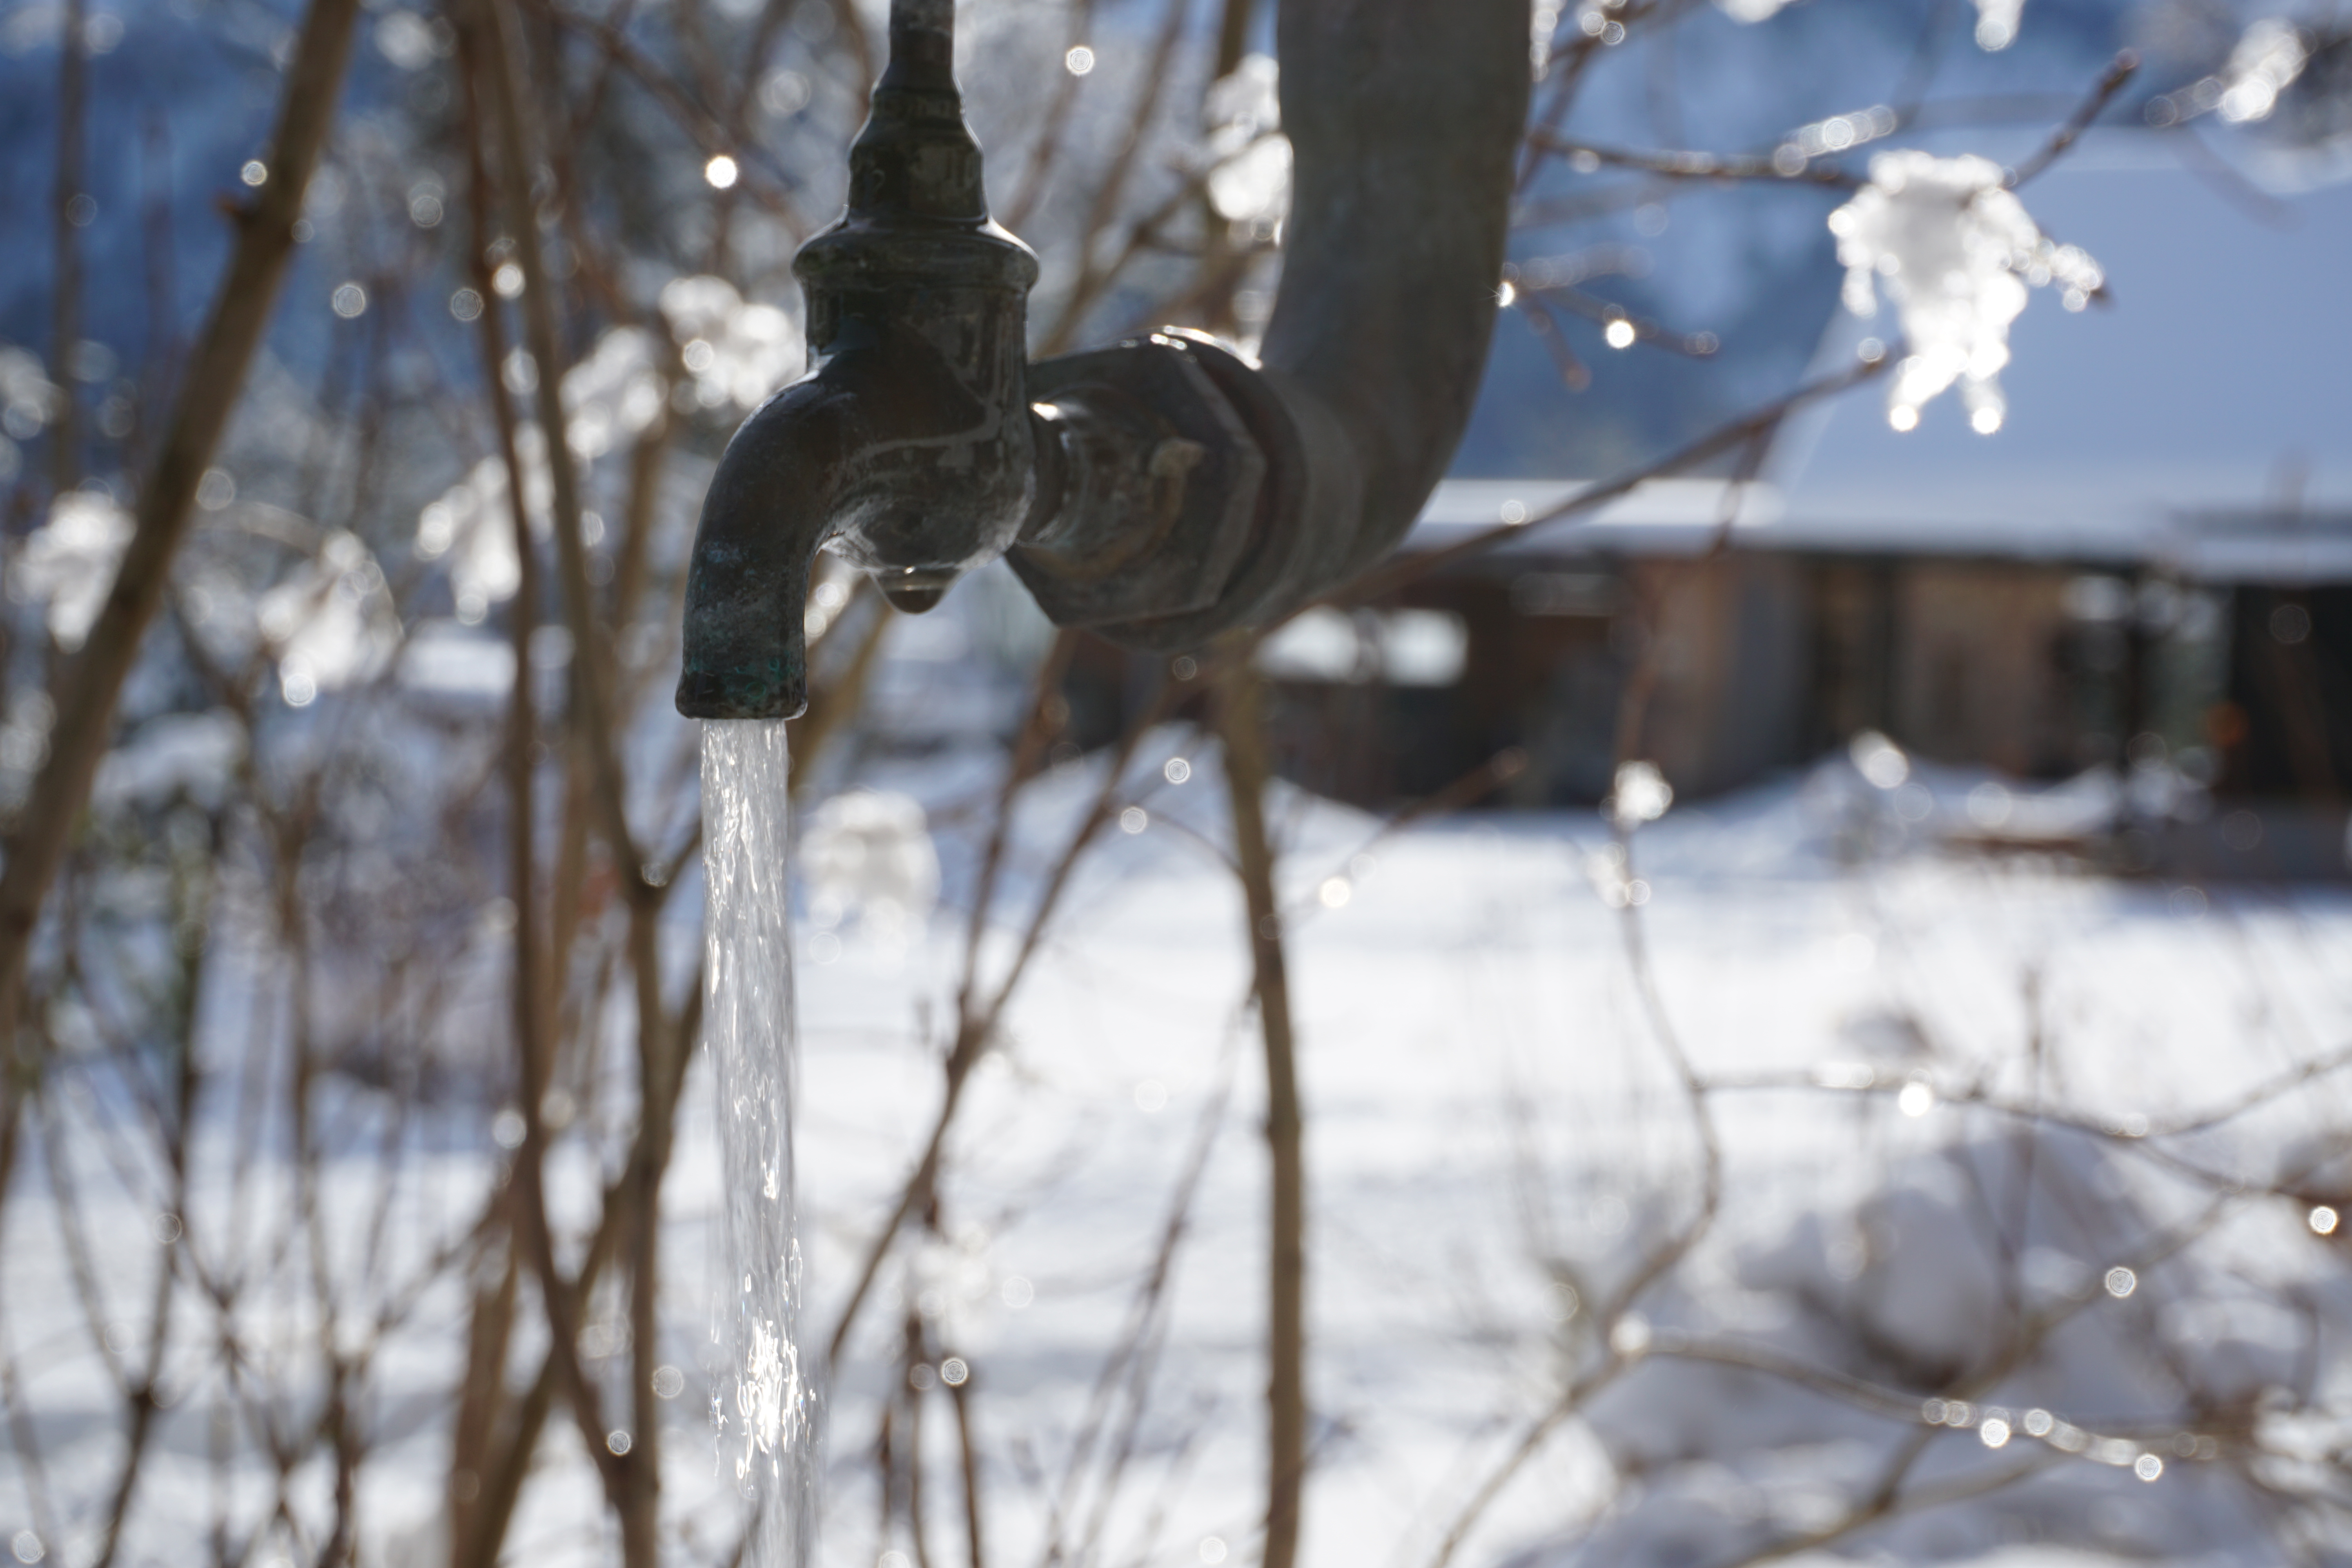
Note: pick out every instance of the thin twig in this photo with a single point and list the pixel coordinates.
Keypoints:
(2111, 82)
(1406, 570)
(1241, 723)
(1725, 167)
(977, 1025)
(66, 197)
(85, 689)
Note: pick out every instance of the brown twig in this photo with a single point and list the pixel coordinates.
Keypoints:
(64, 303)
(1408, 568)
(1092, 280)
(628, 1472)
(960, 1395)
(1053, 134)
(977, 1024)
(1130, 1360)
(479, 1515)
(85, 689)
(1724, 167)
(2119, 70)
(706, 129)
(1240, 721)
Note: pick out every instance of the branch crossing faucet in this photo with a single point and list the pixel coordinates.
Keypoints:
(1159, 491)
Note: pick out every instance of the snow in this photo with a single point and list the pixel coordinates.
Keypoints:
(1249, 157)
(2264, 64)
(1997, 23)
(2111, 450)
(331, 623)
(1953, 248)
(1474, 1057)
(867, 857)
(1497, 1142)
(738, 350)
(69, 561)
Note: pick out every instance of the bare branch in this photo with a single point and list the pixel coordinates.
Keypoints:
(85, 689)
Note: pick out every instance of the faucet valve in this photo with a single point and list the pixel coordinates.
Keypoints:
(909, 447)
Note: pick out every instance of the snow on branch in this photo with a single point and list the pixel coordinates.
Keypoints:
(1955, 251)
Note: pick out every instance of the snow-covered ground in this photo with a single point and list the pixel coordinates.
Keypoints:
(1967, 1271)
(1497, 1136)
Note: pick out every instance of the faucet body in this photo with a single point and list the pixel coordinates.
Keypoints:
(909, 446)
(1159, 491)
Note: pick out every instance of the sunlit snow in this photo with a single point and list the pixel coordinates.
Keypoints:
(1249, 180)
(69, 561)
(1955, 250)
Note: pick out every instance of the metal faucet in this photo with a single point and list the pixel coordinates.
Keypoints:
(1159, 491)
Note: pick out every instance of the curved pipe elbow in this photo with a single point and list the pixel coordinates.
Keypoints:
(774, 500)
(887, 453)
(1404, 117)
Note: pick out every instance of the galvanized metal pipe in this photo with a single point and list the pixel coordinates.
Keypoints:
(1161, 491)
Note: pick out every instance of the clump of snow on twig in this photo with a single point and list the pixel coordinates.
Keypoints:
(735, 352)
(69, 561)
(2264, 64)
(738, 350)
(331, 623)
(190, 755)
(1997, 23)
(28, 400)
(1249, 179)
(613, 393)
(869, 855)
(1641, 795)
(2270, 55)
(471, 522)
(1955, 251)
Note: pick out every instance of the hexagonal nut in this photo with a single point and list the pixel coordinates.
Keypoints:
(1159, 491)
(1308, 505)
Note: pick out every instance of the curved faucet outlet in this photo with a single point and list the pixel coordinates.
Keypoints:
(910, 448)
(1159, 491)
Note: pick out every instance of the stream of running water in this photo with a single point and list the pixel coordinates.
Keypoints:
(764, 1402)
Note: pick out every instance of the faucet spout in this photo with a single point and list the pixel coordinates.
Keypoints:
(770, 506)
(909, 449)
(860, 456)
